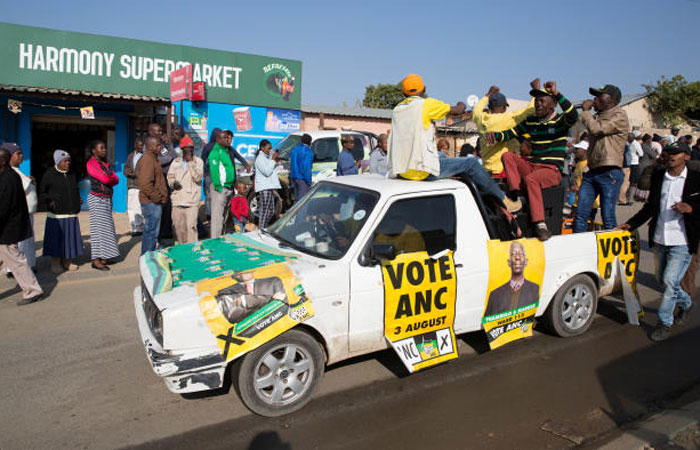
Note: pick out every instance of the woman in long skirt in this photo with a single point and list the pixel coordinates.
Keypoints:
(59, 192)
(103, 238)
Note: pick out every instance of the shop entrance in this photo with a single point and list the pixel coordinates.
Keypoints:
(71, 134)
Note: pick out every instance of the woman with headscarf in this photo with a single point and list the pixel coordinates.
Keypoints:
(266, 182)
(103, 237)
(59, 192)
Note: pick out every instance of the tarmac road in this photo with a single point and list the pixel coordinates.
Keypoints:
(74, 375)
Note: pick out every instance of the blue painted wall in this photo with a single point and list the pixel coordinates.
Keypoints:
(18, 128)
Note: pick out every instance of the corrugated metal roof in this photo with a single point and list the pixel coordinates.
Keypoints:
(73, 93)
(625, 100)
(345, 111)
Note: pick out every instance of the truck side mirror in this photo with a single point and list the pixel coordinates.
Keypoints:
(382, 252)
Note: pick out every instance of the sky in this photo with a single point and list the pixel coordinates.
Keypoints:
(459, 48)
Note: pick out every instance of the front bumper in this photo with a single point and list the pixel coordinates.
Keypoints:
(193, 371)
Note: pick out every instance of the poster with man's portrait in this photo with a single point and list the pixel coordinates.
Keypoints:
(516, 270)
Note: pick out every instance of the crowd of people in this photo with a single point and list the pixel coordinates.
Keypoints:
(605, 165)
(518, 155)
(166, 181)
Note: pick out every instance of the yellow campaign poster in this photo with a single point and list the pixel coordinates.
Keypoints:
(516, 270)
(419, 308)
(623, 245)
(249, 308)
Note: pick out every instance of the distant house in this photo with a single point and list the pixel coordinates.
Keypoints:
(318, 117)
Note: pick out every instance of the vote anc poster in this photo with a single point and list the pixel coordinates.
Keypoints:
(623, 245)
(248, 309)
(419, 308)
(516, 270)
(618, 256)
(247, 293)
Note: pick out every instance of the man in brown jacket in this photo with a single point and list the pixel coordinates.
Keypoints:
(607, 133)
(153, 193)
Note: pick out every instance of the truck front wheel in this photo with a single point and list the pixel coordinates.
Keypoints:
(573, 307)
(281, 376)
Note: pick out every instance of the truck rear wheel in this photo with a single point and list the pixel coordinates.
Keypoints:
(573, 307)
(281, 376)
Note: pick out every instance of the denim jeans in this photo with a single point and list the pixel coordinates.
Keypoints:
(151, 214)
(605, 183)
(672, 261)
(240, 223)
(468, 168)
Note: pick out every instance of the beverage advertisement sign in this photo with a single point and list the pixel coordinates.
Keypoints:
(249, 124)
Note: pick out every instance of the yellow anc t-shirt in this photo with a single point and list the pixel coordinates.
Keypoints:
(432, 110)
(487, 122)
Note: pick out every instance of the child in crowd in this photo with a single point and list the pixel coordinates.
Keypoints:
(239, 207)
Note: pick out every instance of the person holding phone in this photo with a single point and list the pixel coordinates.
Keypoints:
(266, 182)
(185, 181)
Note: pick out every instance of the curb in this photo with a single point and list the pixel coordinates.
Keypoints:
(657, 430)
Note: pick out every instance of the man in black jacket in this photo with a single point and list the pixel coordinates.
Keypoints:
(14, 228)
(674, 210)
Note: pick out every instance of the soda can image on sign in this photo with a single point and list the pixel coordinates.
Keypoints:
(242, 117)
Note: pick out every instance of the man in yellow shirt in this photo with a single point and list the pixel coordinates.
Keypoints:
(413, 153)
(497, 119)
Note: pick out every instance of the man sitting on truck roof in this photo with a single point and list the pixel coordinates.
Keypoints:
(548, 133)
(413, 153)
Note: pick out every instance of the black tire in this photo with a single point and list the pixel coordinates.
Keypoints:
(292, 351)
(573, 307)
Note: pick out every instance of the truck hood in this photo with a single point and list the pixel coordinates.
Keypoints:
(172, 275)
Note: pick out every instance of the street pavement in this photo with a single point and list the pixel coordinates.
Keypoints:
(74, 375)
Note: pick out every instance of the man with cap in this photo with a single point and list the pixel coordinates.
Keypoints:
(674, 230)
(673, 137)
(548, 135)
(607, 132)
(14, 228)
(185, 183)
(414, 154)
(497, 119)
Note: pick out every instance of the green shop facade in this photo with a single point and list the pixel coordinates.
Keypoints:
(62, 90)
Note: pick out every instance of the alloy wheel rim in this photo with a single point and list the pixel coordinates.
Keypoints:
(577, 306)
(283, 375)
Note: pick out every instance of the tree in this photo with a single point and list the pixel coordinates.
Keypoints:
(675, 100)
(383, 96)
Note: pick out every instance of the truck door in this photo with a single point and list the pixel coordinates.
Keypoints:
(419, 223)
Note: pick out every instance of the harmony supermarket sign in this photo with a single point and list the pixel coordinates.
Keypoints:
(38, 57)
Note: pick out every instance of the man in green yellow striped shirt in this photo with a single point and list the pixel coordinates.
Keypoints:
(547, 133)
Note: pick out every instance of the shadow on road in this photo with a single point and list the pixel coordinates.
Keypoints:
(640, 382)
(268, 440)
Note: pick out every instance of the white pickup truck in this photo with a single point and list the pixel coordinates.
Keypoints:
(316, 287)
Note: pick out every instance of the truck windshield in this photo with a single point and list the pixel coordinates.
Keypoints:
(286, 145)
(327, 220)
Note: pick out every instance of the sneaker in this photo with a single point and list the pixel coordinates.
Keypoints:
(661, 333)
(512, 205)
(543, 233)
(30, 300)
(56, 268)
(683, 314)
